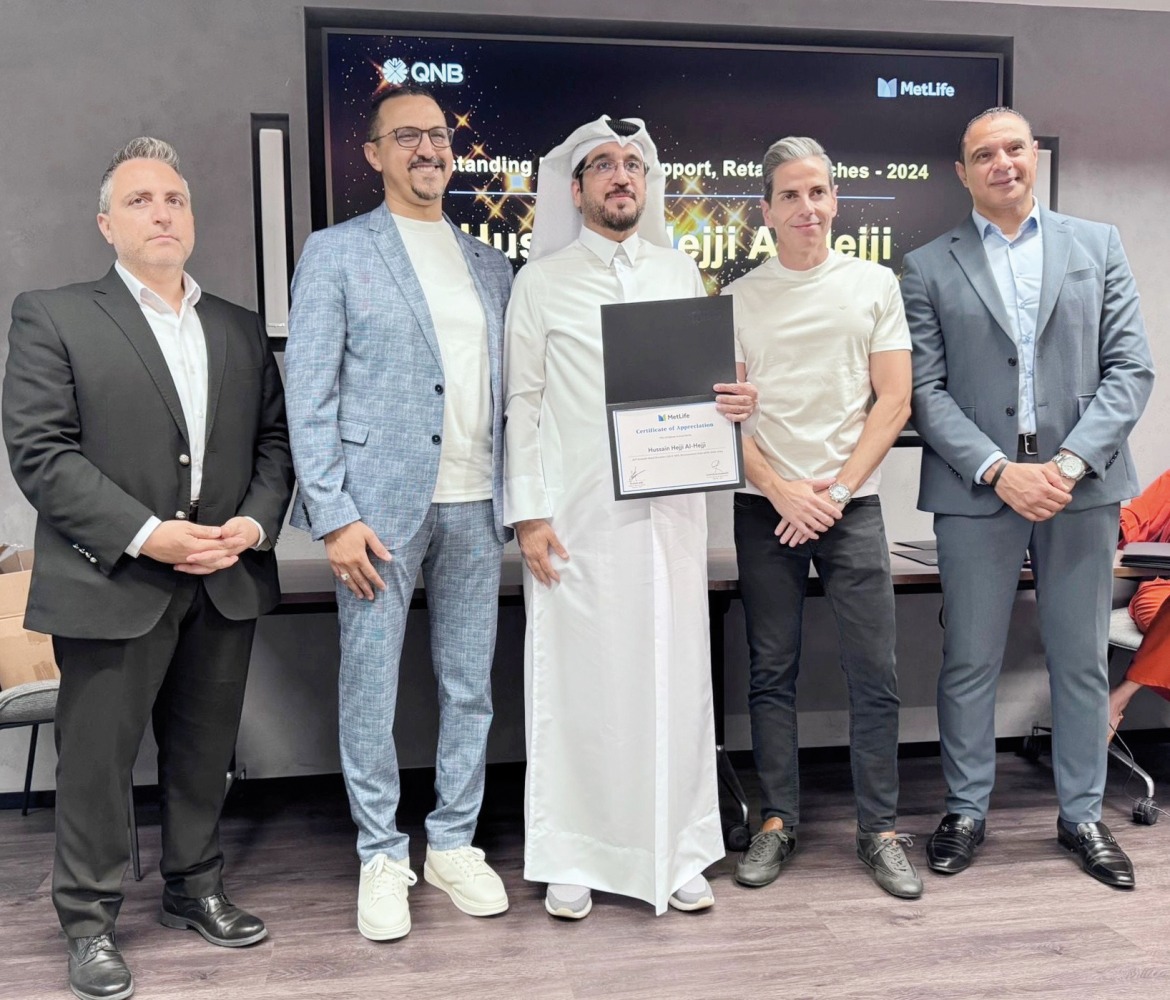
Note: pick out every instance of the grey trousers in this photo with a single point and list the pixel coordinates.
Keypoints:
(979, 565)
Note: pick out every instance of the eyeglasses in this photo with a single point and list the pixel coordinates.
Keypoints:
(409, 137)
(604, 167)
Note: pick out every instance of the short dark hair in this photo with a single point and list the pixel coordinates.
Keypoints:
(982, 116)
(405, 90)
(145, 147)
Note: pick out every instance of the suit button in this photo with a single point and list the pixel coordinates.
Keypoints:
(184, 459)
(435, 439)
(1010, 411)
(439, 389)
(1012, 362)
(180, 515)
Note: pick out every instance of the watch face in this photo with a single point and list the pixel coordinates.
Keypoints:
(1070, 466)
(839, 493)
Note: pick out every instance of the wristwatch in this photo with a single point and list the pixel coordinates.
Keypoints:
(1070, 466)
(839, 493)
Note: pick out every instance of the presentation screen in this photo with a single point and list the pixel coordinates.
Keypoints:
(889, 120)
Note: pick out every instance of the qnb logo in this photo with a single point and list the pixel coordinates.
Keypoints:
(395, 71)
(893, 87)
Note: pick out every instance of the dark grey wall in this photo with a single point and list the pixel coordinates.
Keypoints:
(79, 78)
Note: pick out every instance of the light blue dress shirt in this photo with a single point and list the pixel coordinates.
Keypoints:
(1017, 266)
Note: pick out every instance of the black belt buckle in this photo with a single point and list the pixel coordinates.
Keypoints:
(1028, 444)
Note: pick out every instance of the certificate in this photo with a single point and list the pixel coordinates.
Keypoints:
(682, 447)
(661, 360)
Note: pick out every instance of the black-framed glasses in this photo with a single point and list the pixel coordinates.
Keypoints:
(604, 166)
(410, 136)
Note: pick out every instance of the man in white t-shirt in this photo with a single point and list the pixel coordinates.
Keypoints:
(396, 418)
(823, 336)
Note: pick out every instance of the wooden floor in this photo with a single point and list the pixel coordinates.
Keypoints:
(1022, 923)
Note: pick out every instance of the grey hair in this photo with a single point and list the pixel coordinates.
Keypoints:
(792, 147)
(982, 116)
(143, 148)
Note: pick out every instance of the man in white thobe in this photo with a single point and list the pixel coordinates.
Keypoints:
(621, 791)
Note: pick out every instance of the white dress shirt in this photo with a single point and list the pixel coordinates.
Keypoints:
(180, 338)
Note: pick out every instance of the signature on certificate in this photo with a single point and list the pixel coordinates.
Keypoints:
(635, 476)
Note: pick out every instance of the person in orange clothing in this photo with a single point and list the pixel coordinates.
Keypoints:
(1147, 519)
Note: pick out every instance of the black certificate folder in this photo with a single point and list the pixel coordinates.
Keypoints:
(660, 361)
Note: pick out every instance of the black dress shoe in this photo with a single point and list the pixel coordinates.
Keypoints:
(216, 917)
(951, 847)
(97, 970)
(1100, 854)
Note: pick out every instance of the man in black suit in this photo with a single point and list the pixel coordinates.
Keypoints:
(145, 423)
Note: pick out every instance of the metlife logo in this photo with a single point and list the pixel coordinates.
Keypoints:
(893, 88)
(395, 71)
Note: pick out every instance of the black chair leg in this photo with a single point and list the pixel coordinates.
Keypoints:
(32, 756)
(132, 821)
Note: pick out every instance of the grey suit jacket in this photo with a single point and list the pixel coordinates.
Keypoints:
(98, 443)
(365, 379)
(1093, 371)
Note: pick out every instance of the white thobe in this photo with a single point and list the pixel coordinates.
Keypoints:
(621, 793)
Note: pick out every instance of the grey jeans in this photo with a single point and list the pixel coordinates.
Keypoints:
(853, 562)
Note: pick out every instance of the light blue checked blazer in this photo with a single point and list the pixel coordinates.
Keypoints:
(363, 371)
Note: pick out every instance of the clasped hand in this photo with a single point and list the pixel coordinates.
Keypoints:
(1034, 491)
(200, 549)
(805, 510)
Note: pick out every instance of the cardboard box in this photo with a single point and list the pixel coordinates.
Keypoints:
(24, 656)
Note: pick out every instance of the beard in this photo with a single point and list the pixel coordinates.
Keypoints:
(427, 193)
(600, 213)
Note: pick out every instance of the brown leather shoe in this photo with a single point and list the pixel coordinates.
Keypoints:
(1100, 854)
(216, 917)
(97, 970)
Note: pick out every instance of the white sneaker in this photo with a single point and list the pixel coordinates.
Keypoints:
(464, 876)
(572, 902)
(383, 910)
(694, 895)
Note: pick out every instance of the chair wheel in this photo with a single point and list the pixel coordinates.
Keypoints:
(1145, 812)
(737, 837)
(1032, 748)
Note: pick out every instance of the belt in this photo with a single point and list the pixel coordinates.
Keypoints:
(1028, 445)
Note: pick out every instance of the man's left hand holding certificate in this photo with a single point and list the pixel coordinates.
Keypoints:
(674, 405)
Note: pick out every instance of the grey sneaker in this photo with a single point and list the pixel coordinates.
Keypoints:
(760, 863)
(891, 868)
(694, 895)
(573, 902)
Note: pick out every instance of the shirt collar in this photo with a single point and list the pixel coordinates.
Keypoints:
(147, 297)
(985, 226)
(604, 248)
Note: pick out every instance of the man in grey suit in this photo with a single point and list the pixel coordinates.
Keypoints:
(145, 423)
(1031, 367)
(395, 413)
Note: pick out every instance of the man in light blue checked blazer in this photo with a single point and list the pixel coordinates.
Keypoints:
(395, 415)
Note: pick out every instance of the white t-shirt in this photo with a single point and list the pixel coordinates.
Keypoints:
(465, 461)
(805, 338)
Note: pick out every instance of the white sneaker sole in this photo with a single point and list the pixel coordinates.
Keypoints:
(471, 907)
(567, 914)
(372, 933)
(703, 903)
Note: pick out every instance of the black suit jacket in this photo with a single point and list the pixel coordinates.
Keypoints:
(98, 443)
